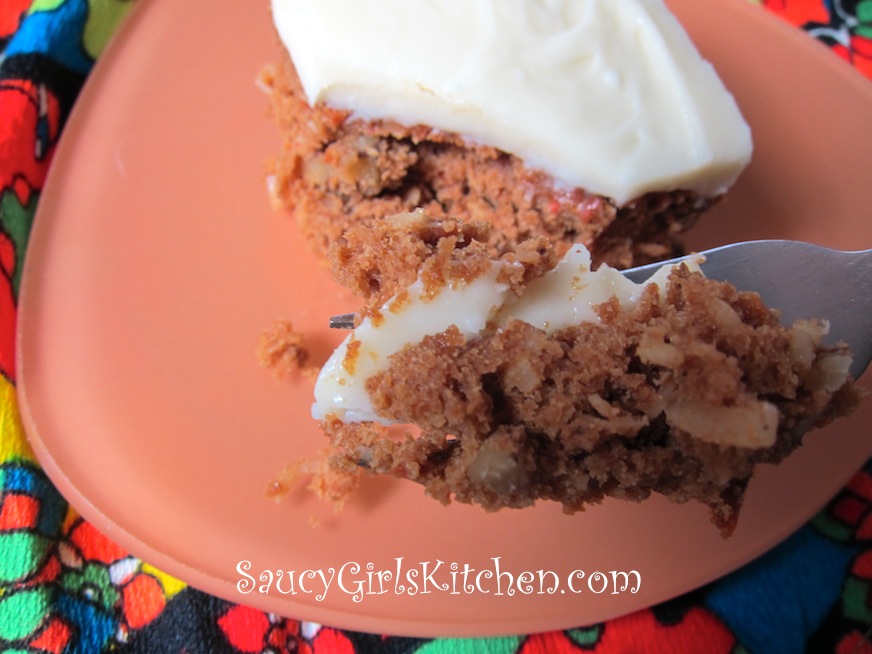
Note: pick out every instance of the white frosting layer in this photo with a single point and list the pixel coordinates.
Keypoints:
(607, 95)
(562, 297)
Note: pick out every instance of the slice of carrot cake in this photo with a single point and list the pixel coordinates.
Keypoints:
(531, 377)
(583, 121)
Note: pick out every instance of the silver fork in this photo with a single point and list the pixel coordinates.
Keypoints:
(801, 280)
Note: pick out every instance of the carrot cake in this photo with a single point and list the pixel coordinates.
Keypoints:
(477, 173)
(531, 377)
(593, 122)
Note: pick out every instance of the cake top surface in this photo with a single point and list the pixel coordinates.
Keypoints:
(608, 95)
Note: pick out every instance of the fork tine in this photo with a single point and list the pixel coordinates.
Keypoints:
(342, 321)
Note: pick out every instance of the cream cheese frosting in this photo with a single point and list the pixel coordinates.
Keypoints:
(607, 95)
(563, 296)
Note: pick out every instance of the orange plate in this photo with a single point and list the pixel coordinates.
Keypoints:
(156, 262)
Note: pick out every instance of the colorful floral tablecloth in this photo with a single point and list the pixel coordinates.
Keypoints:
(65, 587)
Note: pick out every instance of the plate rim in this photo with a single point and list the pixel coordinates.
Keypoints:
(191, 574)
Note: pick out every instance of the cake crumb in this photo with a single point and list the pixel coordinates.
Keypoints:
(283, 350)
(317, 474)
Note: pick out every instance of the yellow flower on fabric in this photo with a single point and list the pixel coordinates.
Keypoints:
(170, 585)
(13, 443)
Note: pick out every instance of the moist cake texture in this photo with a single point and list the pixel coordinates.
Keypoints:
(333, 171)
(682, 393)
(588, 122)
